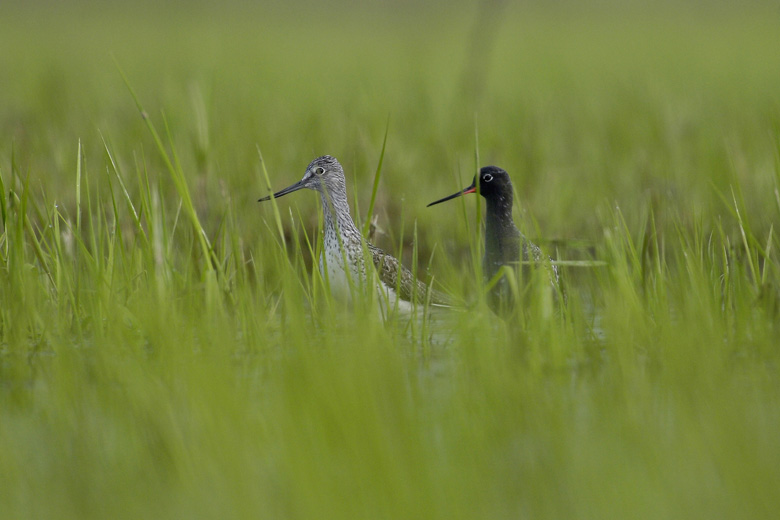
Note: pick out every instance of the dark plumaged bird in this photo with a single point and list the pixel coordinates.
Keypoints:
(505, 245)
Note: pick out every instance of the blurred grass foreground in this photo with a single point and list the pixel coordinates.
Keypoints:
(167, 350)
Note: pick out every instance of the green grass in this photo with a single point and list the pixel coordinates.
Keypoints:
(167, 350)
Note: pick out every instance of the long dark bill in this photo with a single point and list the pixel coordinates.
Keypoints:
(464, 191)
(289, 189)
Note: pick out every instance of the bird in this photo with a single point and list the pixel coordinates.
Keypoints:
(343, 258)
(505, 244)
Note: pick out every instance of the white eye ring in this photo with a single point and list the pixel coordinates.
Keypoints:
(487, 177)
(319, 170)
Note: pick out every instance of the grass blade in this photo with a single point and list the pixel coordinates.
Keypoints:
(375, 188)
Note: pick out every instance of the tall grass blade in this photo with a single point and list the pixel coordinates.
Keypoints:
(375, 187)
(177, 175)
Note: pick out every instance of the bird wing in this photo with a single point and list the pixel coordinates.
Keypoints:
(409, 288)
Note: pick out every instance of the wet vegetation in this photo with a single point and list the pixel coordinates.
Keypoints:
(167, 349)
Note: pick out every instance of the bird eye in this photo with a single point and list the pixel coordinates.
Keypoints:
(487, 177)
(319, 170)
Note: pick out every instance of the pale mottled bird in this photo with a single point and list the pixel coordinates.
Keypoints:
(505, 245)
(343, 257)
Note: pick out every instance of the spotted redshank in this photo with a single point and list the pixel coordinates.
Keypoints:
(343, 255)
(505, 245)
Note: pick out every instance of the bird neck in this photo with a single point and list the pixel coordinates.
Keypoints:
(502, 238)
(498, 216)
(337, 218)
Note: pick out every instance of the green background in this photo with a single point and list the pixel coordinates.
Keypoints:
(166, 352)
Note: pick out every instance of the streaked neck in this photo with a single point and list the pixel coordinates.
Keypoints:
(337, 216)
